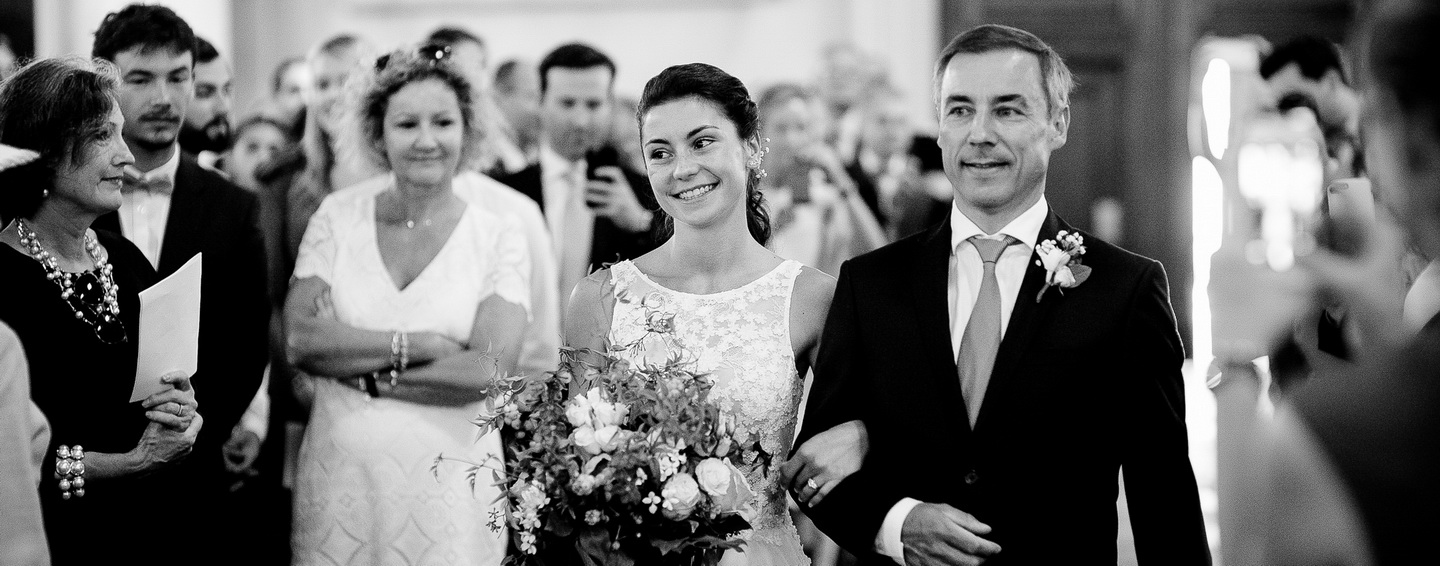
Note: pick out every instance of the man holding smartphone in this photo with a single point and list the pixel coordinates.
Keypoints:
(597, 210)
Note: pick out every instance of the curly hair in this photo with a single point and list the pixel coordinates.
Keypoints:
(393, 72)
(727, 93)
(57, 127)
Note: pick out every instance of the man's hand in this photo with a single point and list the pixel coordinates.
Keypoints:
(1253, 307)
(611, 196)
(938, 534)
(824, 460)
(1369, 283)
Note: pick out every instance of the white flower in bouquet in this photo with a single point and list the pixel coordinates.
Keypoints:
(583, 484)
(609, 414)
(713, 476)
(596, 441)
(725, 484)
(578, 411)
(681, 494)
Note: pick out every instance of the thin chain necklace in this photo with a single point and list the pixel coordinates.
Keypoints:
(103, 317)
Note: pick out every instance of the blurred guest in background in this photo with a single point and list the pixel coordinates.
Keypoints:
(206, 131)
(1306, 72)
(1343, 473)
(24, 439)
(501, 152)
(886, 173)
(290, 87)
(304, 178)
(848, 75)
(174, 210)
(259, 140)
(819, 217)
(71, 294)
(598, 211)
(517, 94)
(411, 284)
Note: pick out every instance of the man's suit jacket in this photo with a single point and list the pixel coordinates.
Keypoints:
(1084, 382)
(212, 215)
(609, 243)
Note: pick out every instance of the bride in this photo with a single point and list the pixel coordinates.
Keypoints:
(754, 318)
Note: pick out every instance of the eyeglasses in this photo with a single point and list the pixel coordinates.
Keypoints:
(431, 53)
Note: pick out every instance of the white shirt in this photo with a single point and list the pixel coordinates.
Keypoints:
(1422, 301)
(144, 213)
(966, 269)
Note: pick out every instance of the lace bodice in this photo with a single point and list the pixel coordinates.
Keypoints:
(742, 338)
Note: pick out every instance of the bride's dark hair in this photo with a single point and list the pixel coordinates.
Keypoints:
(729, 94)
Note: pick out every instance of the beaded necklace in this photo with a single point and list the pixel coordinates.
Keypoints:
(100, 313)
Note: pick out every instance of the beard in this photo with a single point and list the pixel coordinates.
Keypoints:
(215, 136)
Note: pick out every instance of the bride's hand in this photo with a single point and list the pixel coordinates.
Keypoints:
(824, 461)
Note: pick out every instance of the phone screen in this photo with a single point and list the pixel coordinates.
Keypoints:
(1281, 175)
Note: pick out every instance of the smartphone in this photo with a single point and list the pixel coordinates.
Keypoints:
(1350, 207)
(604, 156)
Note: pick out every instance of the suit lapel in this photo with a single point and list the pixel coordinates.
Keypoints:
(932, 306)
(185, 223)
(1026, 320)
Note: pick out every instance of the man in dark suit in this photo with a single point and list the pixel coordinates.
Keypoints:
(597, 210)
(1003, 387)
(175, 209)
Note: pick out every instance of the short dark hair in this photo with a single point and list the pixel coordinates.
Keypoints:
(727, 93)
(145, 26)
(405, 67)
(1315, 56)
(450, 36)
(33, 117)
(1055, 77)
(573, 56)
(204, 51)
(1399, 42)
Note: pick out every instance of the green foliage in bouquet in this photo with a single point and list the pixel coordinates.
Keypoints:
(613, 463)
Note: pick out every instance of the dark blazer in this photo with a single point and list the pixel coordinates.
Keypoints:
(1084, 382)
(609, 243)
(212, 215)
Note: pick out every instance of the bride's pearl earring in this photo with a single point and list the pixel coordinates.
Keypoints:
(44, 193)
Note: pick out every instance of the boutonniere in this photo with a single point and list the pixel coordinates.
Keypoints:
(1062, 262)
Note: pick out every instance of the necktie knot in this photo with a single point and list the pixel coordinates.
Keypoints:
(989, 249)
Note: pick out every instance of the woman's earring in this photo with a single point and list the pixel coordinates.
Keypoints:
(44, 193)
(757, 159)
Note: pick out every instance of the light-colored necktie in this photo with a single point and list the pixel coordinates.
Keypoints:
(578, 223)
(981, 339)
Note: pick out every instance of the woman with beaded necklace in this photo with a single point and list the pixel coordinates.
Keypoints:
(71, 294)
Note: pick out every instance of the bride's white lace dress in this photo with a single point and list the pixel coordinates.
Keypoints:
(742, 338)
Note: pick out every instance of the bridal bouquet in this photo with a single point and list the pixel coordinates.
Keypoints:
(619, 463)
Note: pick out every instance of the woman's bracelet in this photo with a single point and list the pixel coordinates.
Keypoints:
(70, 468)
(399, 356)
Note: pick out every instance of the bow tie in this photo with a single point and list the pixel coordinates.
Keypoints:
(153, 182)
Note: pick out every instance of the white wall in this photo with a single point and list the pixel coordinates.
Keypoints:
(760, 41)
(67, 27)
